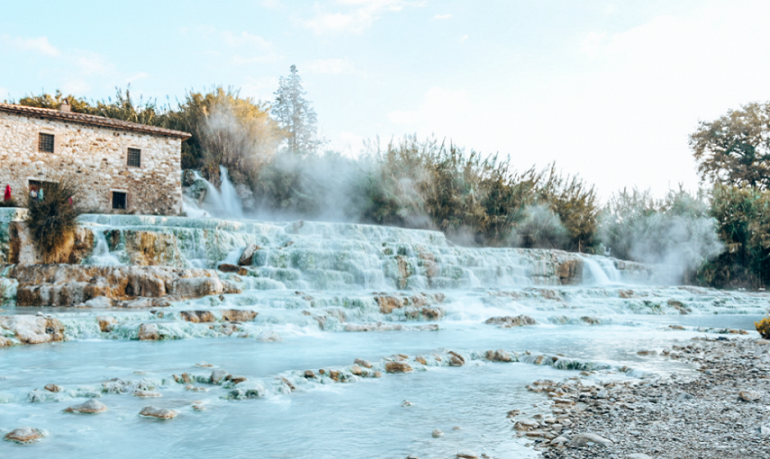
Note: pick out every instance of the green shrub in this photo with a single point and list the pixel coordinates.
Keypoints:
(52, 221)
(10, 203)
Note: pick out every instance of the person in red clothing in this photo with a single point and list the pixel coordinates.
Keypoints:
(7, 196)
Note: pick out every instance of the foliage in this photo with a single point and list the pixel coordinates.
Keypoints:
(677, 230)
(295, 115)
(763, 327)
(53, 220)
(227, 129)
(743, 223)
(10, 203)
(575, 204)
(735, 149)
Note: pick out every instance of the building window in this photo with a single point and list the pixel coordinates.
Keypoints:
(45, 143)
(134, 157)
(119, 200)
(37, 185)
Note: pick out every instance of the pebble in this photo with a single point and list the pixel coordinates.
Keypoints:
(159, 413)
(90, 407)
(52, 388)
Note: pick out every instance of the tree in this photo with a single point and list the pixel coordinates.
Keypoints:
(735, 149)
(295, 115)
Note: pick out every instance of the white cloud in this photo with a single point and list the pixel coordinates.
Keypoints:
(592, 43)
(245, 39)
(442, 16)
(356, 15)
(463, 38)
(330, 66)
(39, 44)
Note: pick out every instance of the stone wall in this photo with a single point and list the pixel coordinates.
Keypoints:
(96, 158)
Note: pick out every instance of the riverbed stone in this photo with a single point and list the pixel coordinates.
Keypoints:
(437, 433)
(247, 256)
(106, 323)
(52, 388)
(89, 407)
(397, 367)
(749, 395)
(363, 363)
(218, 376)
(148, 332)
(158, 413)
(583, 439)
(509, 321)
(146, 393)
(238, 315)
(197, 316)
(25, 435)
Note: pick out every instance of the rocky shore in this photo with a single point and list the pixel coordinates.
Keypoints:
(721, 411)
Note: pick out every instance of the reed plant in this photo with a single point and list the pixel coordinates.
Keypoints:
(53, 219)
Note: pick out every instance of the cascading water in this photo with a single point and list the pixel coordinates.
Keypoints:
(223, 202)
(319, 296)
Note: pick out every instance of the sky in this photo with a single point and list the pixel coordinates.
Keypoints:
(608, 90)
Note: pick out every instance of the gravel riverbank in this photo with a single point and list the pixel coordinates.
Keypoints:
(722, 412)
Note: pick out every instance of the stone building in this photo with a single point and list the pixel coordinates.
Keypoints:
(122, 167)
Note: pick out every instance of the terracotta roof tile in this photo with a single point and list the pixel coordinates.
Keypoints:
(91, 120)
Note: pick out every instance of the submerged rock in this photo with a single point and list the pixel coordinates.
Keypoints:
(33, 329)
(247, 256)
(238, 315)
(158, 413)
(218, 376)
(363, 363)
(509, 321)
(146, 393)
(467, 455)
(148, 332)
(52, 388)
(499, 356)
(25, 435)
(437, 433)
(197, 316)
(397, 367)
(90, 407)
(106, 323)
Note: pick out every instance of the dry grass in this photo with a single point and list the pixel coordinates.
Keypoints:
(53, 220)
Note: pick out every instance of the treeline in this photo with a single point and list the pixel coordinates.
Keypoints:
(719, 236)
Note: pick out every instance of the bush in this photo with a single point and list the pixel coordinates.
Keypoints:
(763, 327)
(53, 220)
(10, 203)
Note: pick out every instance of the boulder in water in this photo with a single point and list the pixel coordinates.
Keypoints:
(499, 356)
(228, 268)
(397, 367)
(148, 332)
(388, 303)
(33, 329)
(247, 256)
(52, 388)
(158, 413)
(508, 321)
(363, 363)
(24, 435)
(90, 407)
(197, 316)
(100, 302)
(356, 370)
(146, 393)
(106, 323)
(238, 315)
(218, 376)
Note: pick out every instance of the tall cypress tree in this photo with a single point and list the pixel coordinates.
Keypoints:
(295, 115)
